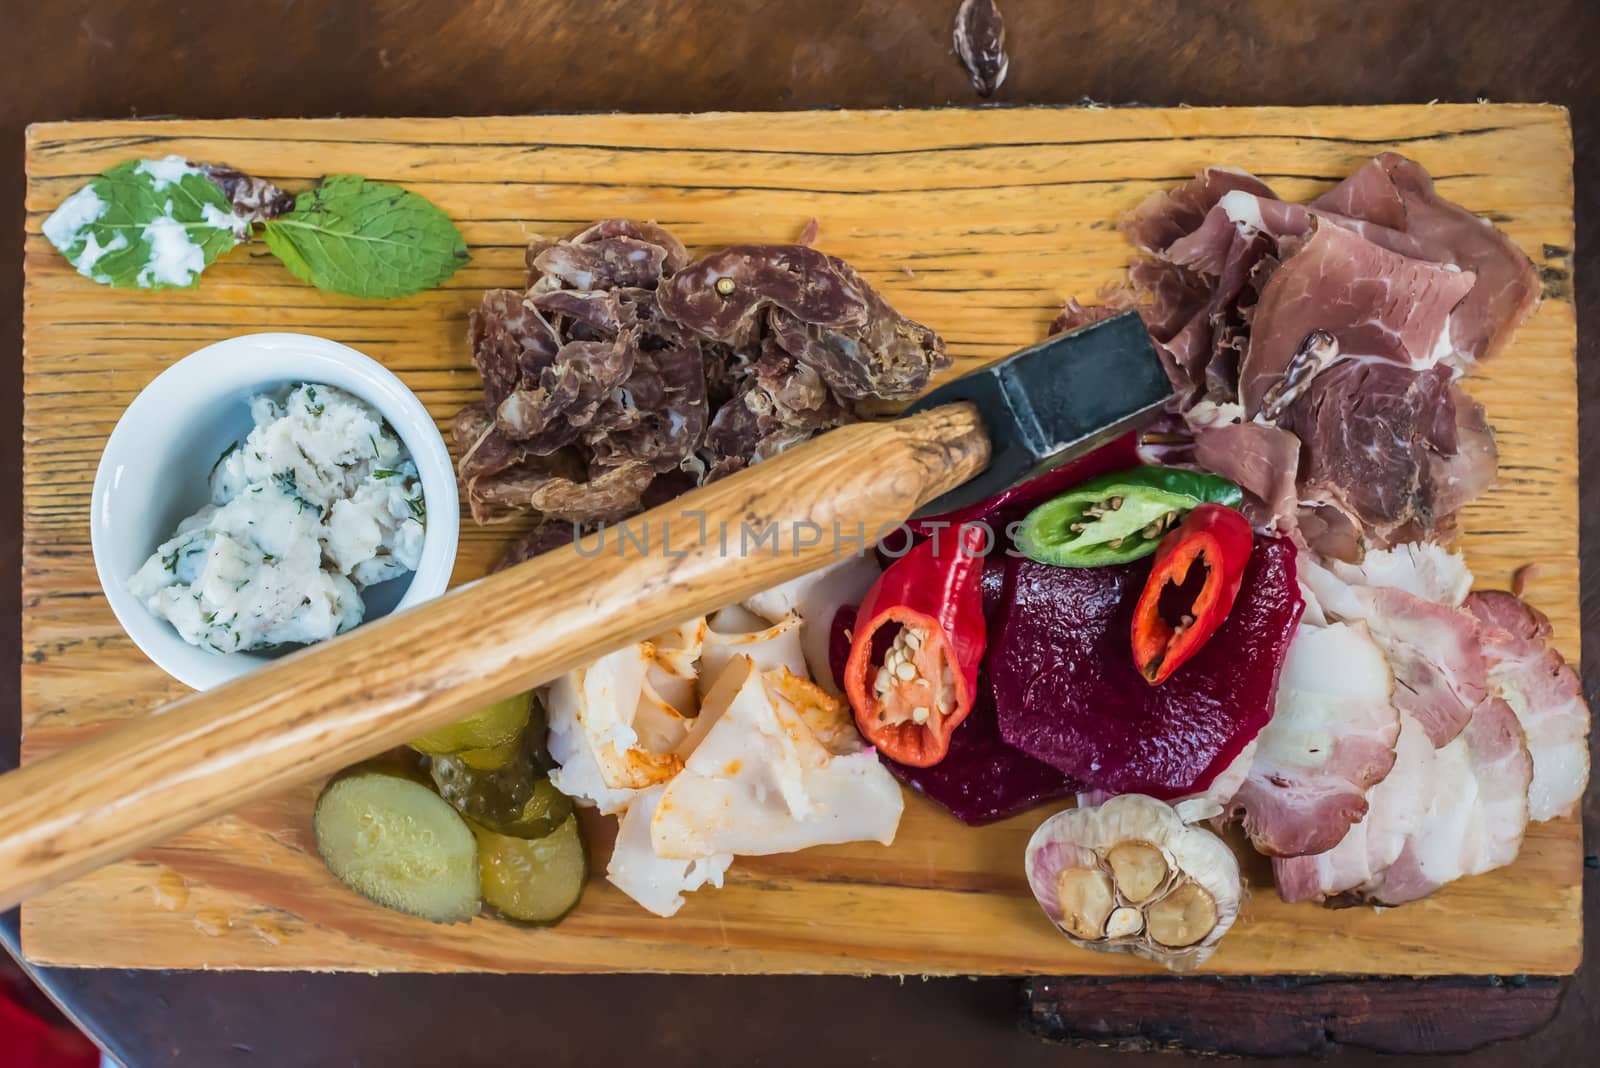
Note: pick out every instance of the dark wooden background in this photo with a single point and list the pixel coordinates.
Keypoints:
(64, 59)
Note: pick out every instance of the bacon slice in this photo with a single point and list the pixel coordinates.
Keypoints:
(1439, 669)
(1395, 806)
(1476, 814)
(1331, 739)
(1545, 694)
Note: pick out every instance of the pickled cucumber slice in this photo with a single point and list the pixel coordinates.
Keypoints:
(490, 759)
(533, 881)
(486, 728)
(517, 799)
(395, 842)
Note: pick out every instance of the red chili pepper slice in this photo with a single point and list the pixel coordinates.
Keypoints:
(1183, 604)
(913, 668)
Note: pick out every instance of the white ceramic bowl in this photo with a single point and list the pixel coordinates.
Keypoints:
(156, 467)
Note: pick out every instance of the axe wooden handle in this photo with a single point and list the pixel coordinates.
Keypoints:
(393, 679)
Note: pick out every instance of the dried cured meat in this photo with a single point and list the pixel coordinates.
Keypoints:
(625, 373)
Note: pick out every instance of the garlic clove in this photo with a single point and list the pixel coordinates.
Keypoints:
(1183, 917)
(1139, 868)
(1124, 921)
(1086, 899)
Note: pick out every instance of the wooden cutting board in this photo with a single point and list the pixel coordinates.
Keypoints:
(977, 223)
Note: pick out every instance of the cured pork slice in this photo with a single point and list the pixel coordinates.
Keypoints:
(1439, 670)
(1341, 323)
(1167, 216)
(1331, 739)
(1380, 443)
(1422, 569)
(1545, 694)
(1397, 193)
(1476, 813)
(1377, 304)
(1395, 806)
(1264, 461)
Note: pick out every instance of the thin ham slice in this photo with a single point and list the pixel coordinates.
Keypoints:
(1166, 216)
(1264, 460)
(1476, 814)
(1376, 303)
(1396, 192)
(1386, 445)
(1545, 694)
(1331, 739)
(1396, 279)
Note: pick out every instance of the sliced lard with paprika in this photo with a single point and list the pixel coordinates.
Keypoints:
(656, 882)
(608, 735)
(735, 631)
(760, 780)
(816, 598)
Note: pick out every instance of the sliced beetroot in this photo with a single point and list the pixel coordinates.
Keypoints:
(981, 778)
(1067, 692)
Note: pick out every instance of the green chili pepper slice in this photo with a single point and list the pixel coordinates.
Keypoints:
(1118, 517)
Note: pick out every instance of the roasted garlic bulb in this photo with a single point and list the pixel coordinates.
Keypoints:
(1129, 876)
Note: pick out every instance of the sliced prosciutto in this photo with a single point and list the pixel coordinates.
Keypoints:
(1545, 694)
(1476, 813)
(1398, 451)
(1397, 193)
(1377, 304)
(1168, 216)
(1331, 739)
(1341, 324)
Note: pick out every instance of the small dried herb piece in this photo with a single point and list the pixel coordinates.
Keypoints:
(255, 200)
(980, 39)
(229, 451)
(366, 239)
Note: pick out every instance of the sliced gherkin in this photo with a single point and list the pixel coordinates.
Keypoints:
(533, 881)
(488, 728)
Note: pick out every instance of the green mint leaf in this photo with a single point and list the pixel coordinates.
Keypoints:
(366, 239)
(145, 224)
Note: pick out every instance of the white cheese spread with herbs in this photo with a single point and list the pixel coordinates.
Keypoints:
(320, 501)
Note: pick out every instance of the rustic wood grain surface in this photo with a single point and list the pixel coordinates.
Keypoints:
(975, 222)
(406, 58)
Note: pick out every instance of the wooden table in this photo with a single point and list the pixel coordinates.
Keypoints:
(70, 60)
